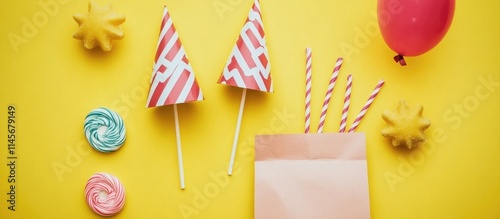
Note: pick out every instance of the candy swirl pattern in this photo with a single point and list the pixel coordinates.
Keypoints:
(104, 130)
(105, 194)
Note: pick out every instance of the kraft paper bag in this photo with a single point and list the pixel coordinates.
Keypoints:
(311, 176)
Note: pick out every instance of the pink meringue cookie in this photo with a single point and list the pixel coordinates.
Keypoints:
(105, 194)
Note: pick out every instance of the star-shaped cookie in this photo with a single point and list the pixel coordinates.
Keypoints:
(99, 27)
(405, 125)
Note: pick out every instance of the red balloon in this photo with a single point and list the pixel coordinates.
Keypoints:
(413, 27)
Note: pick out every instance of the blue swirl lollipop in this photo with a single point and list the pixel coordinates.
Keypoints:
(104, 130)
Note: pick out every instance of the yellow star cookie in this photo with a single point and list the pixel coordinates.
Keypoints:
(100, 26)
(405, 126)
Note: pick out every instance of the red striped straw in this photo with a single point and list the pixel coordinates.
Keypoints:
(347, 101)
(308, 90)
(328, 95)
(367, 105)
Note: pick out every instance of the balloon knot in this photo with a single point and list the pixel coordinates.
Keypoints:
(400, 59)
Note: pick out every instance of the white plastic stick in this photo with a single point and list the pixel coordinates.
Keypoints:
(237, 132)
(179, 148)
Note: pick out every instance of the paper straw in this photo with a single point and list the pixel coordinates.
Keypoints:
(308, 90)
(328, 94)
(347, 101)
(367, 105)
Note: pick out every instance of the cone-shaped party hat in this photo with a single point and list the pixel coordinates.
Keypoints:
(248, 65)
(173, 80)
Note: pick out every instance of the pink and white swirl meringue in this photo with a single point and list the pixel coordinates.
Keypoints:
(105, 194)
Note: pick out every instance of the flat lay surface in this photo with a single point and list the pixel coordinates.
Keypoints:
(49, 82)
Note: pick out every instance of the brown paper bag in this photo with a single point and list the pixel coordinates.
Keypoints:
(311, 176)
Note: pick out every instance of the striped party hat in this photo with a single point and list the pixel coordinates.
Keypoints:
(173, 80)
(248, 65)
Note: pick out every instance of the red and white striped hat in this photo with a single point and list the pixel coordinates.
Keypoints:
(173, 80)
(248, 65)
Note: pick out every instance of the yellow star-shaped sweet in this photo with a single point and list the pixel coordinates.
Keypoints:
(405, 126)
(100, 26)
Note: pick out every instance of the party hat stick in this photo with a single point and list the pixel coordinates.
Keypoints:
(173, 80)
(328, 94)
(367, 105)
(237, 132)
(347, 101)
(179, 148)
(308, 90)
(248, 66)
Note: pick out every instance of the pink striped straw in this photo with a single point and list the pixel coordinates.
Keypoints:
(347, 101)
(328, 95)
(367, 105)
(308, 90)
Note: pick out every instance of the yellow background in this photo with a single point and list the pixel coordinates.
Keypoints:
(54, 82)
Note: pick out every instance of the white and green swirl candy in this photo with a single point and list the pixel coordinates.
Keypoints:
(104, 130)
